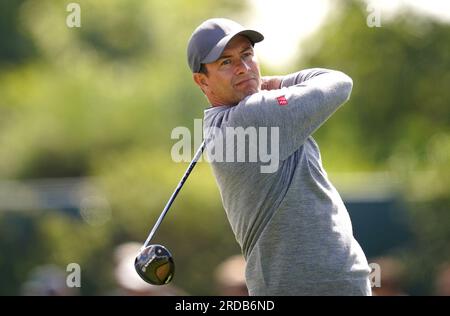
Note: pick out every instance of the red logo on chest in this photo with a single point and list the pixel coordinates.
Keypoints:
(282, 100)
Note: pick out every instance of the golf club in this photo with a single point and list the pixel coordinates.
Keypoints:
(154, 263)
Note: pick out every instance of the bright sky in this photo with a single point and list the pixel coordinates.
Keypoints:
(285, 23)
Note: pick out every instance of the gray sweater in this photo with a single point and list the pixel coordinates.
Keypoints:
(291, 223)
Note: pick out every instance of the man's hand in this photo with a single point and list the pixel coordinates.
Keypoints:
(271, 82)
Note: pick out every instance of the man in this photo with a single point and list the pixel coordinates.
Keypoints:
(293, 228)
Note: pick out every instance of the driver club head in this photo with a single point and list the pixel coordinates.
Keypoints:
(155, 265)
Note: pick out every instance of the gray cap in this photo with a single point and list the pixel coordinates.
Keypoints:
(209, 39)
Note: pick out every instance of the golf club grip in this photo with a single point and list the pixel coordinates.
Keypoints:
(175, 193)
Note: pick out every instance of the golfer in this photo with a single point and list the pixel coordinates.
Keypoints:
(292, 226)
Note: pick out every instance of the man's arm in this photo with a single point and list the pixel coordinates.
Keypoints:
(305, 101)
(278, 82)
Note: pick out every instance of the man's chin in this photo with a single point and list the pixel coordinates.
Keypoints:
(250, 92)
(241, 95)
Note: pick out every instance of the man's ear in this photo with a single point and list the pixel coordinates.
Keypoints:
(201, 80)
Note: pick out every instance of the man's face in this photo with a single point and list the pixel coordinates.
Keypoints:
(233, 76)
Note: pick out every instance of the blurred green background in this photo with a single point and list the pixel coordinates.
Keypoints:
(86, 116)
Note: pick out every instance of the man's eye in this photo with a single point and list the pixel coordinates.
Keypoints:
(249, 54)
(226, 62)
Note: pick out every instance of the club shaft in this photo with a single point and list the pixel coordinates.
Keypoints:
(175, 193)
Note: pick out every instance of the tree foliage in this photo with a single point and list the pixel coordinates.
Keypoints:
(102, 100)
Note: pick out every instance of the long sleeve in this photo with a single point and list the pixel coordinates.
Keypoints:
(305, 101)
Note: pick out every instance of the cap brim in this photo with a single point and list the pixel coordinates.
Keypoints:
(216, 52)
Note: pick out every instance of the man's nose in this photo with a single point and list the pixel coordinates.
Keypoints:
(242, 67)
